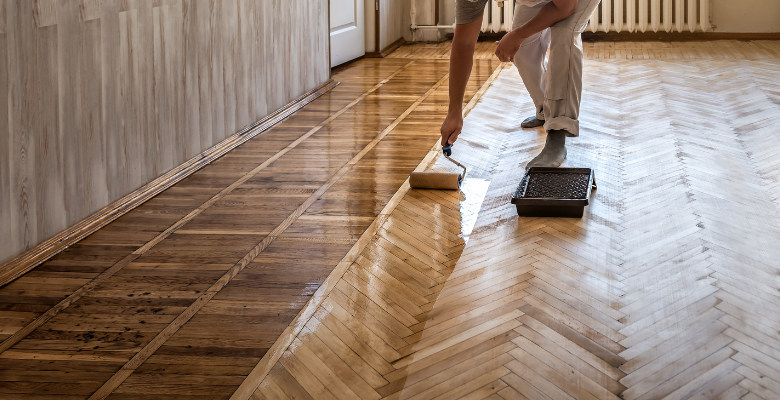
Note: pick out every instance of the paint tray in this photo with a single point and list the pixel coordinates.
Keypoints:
(554, 192)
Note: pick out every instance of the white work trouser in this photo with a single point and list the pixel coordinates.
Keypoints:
(555, 85)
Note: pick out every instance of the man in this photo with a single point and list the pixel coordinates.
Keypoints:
(554, 86)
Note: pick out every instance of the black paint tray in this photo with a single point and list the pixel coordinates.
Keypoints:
(554, 192)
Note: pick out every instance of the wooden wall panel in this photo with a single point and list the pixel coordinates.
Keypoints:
(20, 98)
(99, 97)
(5, 139)
(2, 16)
(391, 27)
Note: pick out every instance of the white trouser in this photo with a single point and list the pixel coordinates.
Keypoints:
(555, 85)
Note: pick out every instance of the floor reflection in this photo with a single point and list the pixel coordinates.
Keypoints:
(473, 192)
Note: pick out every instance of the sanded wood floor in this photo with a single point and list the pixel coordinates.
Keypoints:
(668, 287)
(295, 267)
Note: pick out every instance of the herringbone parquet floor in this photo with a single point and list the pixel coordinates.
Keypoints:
(668, 287)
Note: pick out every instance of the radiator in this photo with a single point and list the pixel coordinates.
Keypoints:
(622, 16)
(498, 18)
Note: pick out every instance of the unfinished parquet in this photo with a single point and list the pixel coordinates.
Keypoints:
(667, 288)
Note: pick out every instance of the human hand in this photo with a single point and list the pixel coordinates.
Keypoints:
(451, 127)
(508, 46)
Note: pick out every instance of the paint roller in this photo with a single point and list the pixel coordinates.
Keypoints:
(438, 179)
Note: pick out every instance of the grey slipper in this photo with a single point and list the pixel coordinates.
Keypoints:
(532, 122)
(554, 152)
(541, 161)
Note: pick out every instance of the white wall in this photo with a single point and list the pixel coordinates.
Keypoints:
(746, 15)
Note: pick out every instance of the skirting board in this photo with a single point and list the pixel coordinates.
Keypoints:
(387, 50)
(654, 36)
(674, 36)
(30, 259)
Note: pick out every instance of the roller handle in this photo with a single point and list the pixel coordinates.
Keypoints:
(447, 150)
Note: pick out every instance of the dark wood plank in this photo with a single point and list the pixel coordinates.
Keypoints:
(153, 283)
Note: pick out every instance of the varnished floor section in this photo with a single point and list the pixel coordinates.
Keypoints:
(668, 287)
(300, 265)
(182, 297)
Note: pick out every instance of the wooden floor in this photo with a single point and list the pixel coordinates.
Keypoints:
(301, 265)
(184, 295)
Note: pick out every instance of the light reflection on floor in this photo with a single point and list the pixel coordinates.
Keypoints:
(473, 193)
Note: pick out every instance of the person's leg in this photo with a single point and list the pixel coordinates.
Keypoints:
(563, 85)
(531, 62)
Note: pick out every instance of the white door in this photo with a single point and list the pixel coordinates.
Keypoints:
(347, 31)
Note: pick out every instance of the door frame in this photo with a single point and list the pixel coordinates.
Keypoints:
(377, 18)
(376, 27)
(376, 36)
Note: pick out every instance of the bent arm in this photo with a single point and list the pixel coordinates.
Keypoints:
(551, 13)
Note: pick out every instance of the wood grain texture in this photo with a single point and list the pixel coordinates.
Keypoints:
(3, 16)
(260, 371)
(6, 139)
(142, 306)
(660, 291)
(64, 239)
(102, 97)
(656, 292)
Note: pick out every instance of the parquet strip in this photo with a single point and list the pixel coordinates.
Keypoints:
(212, 291)
(173, 291)
(78, 293)
(660, 291)
(346, 293)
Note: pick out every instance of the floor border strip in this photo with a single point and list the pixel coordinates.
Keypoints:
(42, 252)
(86, 288)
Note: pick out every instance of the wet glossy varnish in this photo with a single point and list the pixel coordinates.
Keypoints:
(473, 193)
(149, 308)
